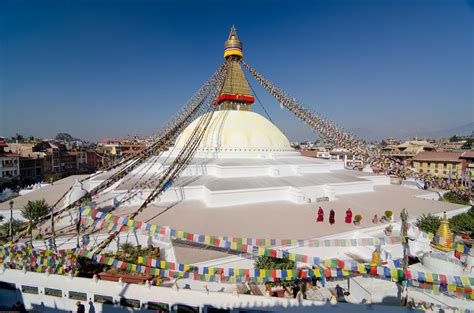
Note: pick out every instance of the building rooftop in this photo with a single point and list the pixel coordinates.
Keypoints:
(467, 155)
(438, 156)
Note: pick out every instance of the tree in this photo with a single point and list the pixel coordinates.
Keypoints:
(463, 222)
(428, 223)
(18, 137)
(17, 226)
(456, 198)
(268, 263)
(65, 137)
(469, 144)
(454, 138)
(33, 211)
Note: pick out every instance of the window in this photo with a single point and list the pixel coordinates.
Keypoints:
(429, 164)
(428, 170)
(445, 165)
(436, 171)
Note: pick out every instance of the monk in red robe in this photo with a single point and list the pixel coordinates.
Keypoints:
(332, 217)
(320, 215)
(348, 218)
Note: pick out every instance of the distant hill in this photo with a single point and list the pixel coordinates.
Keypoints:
(463, 130)
(65, 137)
(367, 134)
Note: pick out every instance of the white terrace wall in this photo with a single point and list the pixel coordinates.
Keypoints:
(233, 303)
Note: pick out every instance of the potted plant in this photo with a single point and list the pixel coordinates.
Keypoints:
(388, 230)
(357, 219)
(388, 215)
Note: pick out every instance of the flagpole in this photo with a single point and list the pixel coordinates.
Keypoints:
(404, 235)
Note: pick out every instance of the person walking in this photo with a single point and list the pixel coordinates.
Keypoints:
(320, 215)
(348, 218)
(332, 217)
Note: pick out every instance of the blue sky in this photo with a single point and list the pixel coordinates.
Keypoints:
(112, 68)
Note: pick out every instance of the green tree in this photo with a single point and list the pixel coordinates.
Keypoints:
(469, 144)
(268, 263)
(454, 138)
(463, 222)
(456, 198)
(33, 211)
(429, 223)
(17, 226)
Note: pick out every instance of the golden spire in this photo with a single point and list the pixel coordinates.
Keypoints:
(376, 257)
(236, 93)
(233, 46)
(444, 238)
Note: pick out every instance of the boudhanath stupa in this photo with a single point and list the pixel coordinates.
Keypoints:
(245, 180)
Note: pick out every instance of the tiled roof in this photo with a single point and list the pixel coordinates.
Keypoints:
(109, 139)
(438, 156)
(8, 154)
(468, 154)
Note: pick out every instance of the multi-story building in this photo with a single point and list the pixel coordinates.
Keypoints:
(453, 146)
(9, 163)
(94, 160)
(31, 163)
(408, 149)
(447, 165)
(109, 148)
(68, 163)
(31, 169)
(127, 149)
(468, 156)
(391, 141)
(52, 150)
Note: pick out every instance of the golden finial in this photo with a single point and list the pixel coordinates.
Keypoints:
(444, 238)
(375, 257)
(233, 46)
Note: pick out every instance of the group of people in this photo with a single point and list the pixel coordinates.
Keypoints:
(332, 216)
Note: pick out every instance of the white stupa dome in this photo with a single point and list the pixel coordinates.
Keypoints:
(233, 133)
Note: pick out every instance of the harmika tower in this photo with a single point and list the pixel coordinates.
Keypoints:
(236, 93)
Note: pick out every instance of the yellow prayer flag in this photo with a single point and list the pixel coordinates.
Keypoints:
(394, 274)
(429, 277)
